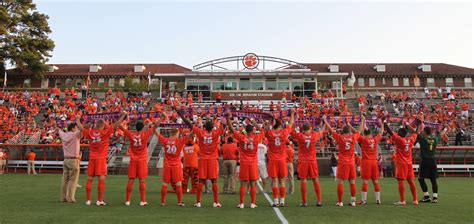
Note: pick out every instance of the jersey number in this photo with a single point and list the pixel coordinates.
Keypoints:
(308, 143)
(171, 149)
(96, 139)
(137, 142)
(208, 140)
(249, 146)
(348, 146)
(277, 142)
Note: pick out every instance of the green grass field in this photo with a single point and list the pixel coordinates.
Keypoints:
(35, 199)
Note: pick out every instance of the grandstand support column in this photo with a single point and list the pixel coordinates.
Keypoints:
(340, 87)
(161, 86)
(316, 82)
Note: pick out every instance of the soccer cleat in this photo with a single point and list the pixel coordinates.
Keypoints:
(281, 205)
(400, 203)
(352, 203)
(253, 206)
(319, 204)
(435, 200)
(274, 205)
(362, 202)
(217, 205)
(303, 205)
(127, 203)
(415, 202)
(240, 206)
(425, 199)
(181, 205)
(101, 203)
(378, 202)
(197, 205)
(339, 204)
(163, 204)
(143, 203)
(88, 202)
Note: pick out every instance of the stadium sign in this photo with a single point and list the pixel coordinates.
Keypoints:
(242, 95)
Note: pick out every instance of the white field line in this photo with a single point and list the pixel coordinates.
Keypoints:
(277, 210)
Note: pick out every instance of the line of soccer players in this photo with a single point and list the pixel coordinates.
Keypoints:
(277, 133)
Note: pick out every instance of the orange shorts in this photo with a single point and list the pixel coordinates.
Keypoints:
(97, 167)
(172, 174)
(404, 171)
(208, 169)
(308, 169)
(248, 172)
(277, 168)
(346, 171)
(138, 169)
(369, 169)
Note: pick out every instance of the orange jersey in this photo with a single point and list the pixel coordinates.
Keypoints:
(306, 145)
(403, 148)
(277, 143)
(191, 155)
(369, 146)
(249, 147)
(31, 156)
(98, 141)
(208, 142)
(138, 143)
(173, 148)
(229, 151)
(346, 146)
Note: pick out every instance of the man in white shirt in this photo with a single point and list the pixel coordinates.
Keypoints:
(262, 165)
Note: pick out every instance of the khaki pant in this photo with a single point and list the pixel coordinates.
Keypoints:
(69, 180)
(229, 172)
(31, 167)
(291, 177)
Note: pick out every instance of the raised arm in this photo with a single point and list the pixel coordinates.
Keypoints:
(362, 124)
(78, 123)
(186, 120)
(382, 128)
(292, 118)
(229, 123)
(120, 120)
(411, 129)
(326, 124)
(388, 129)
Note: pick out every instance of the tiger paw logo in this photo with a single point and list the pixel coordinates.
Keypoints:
(250, 61)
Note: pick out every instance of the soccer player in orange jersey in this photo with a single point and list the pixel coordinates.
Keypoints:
(138, 150)
(98, 138)
(208, 139)
(403, 148)
(369, 165)
(277, 168)
(248, 152)
(346, 169)
(307, 163)
(172, 169)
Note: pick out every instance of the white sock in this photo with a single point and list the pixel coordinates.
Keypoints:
(435, 195)
(275, 201)
(364, 196)
(377, 196)
(353, 199)
(282, 200)
(426, 193)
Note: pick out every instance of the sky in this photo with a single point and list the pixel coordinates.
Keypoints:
(191, 32)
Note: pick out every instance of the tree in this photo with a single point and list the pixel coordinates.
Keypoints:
(24, 41)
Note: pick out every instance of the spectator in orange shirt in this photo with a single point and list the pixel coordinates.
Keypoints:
(31, 162)
(230, 155)
(190, 170)
(290, 156)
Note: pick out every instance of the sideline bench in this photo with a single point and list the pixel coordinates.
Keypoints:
(39, 165)
(451, 168)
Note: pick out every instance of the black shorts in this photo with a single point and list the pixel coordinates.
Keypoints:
(428, 169)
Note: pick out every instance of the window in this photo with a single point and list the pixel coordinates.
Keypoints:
(218, 86)
(430, 82)
(136, 80)
(78, 82)
(58, 82)
(361, 82)
(297, 86)
(122, 82)
(283, 86)
(257, 85)
(395, 81)
(101, 82)
(468, 82)
(270, 85)
(244, 85)
(371, 81)
(406, 81)
(27, 83)
(230, 85)
(111, 82)
(449, 82)
(68, 82)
